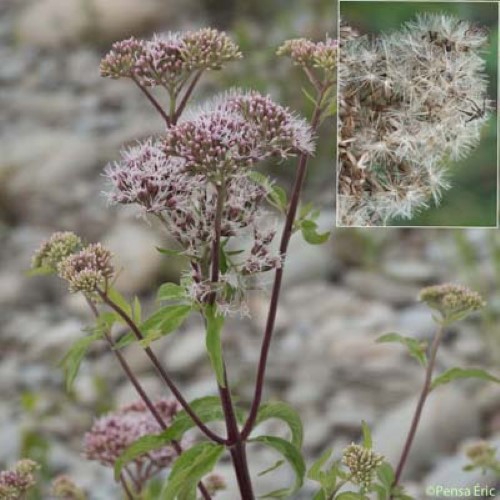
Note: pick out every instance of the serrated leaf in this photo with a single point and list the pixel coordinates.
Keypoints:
(415, 348)
(115, 296)
(165, 321)
(215, 323)
(73, 358)
(188, 469)
(171, 291)
(293, 456)
(273, 467)
(367, 435)
(459, 373)
(276, 195)
(284, 412)
(208, 410)
(310, 233)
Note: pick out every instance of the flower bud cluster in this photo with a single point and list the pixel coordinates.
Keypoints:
(452, 301)
(113, 433)
(362, 463)
(88, 269)
(63, 488)
(409, 102)
(305, 53)
(481, 454)
(16, 482)
(59, 246)
(169, 59)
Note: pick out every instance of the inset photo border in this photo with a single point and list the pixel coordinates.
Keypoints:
(417, 141)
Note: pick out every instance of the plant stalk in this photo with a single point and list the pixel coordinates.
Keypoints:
(161, 371)
(152, 100)
(420, 405)
(278, 277)
(142, 393)
(234, 440)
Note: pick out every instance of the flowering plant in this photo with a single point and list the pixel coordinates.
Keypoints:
(199, 180)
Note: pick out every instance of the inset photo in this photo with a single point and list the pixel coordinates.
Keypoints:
(417, 114)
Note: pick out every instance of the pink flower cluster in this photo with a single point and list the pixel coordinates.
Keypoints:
(15, 483)
(169, 59)
(112, 434)
(237, 131)
(304, 52)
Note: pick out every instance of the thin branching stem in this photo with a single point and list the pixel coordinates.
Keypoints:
(142, 393)
(152, 100)
(161, 371)
(420, 405)
(278, 277)
(185, 98)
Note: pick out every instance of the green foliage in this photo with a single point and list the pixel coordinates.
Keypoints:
(415, 348)
(306, 223)
(287, 414)
(171, 291)
(293, 456)
(215, 323)
(188, 469)
(115, 296)
(208, 410)
(367, 436)
(73, 358)
(459, 373)
(326, 478)
(277, 196)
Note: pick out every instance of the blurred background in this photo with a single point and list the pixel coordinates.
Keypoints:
(472, 200)
(60, 123)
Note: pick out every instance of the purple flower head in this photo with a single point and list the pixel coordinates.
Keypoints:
(146, 176)
(169, 59)
(236, 131)
(113, 433)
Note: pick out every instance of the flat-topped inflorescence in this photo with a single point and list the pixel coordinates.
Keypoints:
(59, 246)
(309, 54)
(410, 102)
(362, 463)
(168, 59)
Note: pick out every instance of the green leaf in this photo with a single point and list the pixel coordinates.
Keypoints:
(40, 271)
(137, 311)
(315, 472)
(127, 339)
(415, 348)
(310, 233)
(367, 435)
(171, 291)
(189, 468)
(208, 410)
(309, 97)
(277, 195)
(73, 358)
(293, 456)
(213, 342)
(287, 414)
(166, 319)
(458, 373)
(385, 474)
(350, 495)
(170, 252)
(115, 296)
(273, 467)
(321, 495)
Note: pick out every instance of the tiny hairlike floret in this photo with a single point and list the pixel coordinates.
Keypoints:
(452, 301)
(59, 246)
(362, 463)
(88, 269)
(17, 481)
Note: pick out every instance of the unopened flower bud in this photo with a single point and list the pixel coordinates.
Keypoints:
(59, 246)
(362, 463)
(63, 488)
